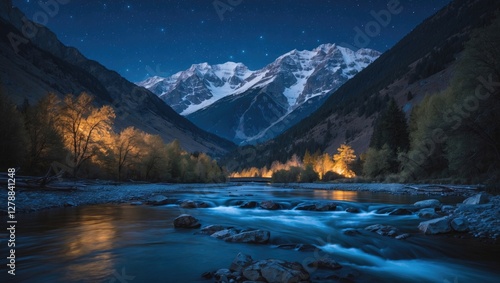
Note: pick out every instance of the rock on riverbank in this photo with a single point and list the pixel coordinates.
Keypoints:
(479, 215)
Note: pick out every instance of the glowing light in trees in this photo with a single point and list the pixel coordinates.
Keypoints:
(321, 163)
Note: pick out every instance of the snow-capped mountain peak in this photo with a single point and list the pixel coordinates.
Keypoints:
(199, 86)
(290, 81)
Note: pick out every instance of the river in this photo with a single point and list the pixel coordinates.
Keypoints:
(126, 243)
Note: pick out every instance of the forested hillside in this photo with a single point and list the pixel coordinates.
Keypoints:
(351, 113)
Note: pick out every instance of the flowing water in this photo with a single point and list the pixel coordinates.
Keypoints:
(124, 243)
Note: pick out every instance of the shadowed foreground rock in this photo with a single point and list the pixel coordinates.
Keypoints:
(245, 269)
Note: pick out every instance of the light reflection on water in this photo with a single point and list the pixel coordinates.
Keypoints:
(337, 195)
(92, 240)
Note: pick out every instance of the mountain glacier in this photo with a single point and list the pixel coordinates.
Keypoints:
(259, 104)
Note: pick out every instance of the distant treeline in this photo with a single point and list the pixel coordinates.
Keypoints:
(76, 138)
(310, 168)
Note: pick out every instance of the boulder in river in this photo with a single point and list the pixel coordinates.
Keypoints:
(253, 237)
(270, 205)
(204, 204)
(188, 204)
(186, 221)
(459, 224)
(427, 203)
(353, 210)
(427, 213)
(249, 204)
(223, 234)
(401, 211)
(477, 199)
(224, 275)
(211, 229)
(326, 206)
(240, 262)
(307, 248)
(391, 208)
(435, 226)
(158, 200)
(317, 206)
(245, 269)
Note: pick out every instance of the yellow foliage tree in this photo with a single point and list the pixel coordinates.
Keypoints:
(343, 159)
(84, 127)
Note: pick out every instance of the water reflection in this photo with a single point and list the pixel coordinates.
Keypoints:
(337, 195)
(88, 247)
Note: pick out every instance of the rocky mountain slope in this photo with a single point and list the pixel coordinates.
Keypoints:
(36, 62)
(250, 106)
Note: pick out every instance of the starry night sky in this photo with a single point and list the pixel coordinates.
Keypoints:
(152, 37)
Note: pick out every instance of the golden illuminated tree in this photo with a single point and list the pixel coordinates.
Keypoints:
(84, 127)
(343, 159)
